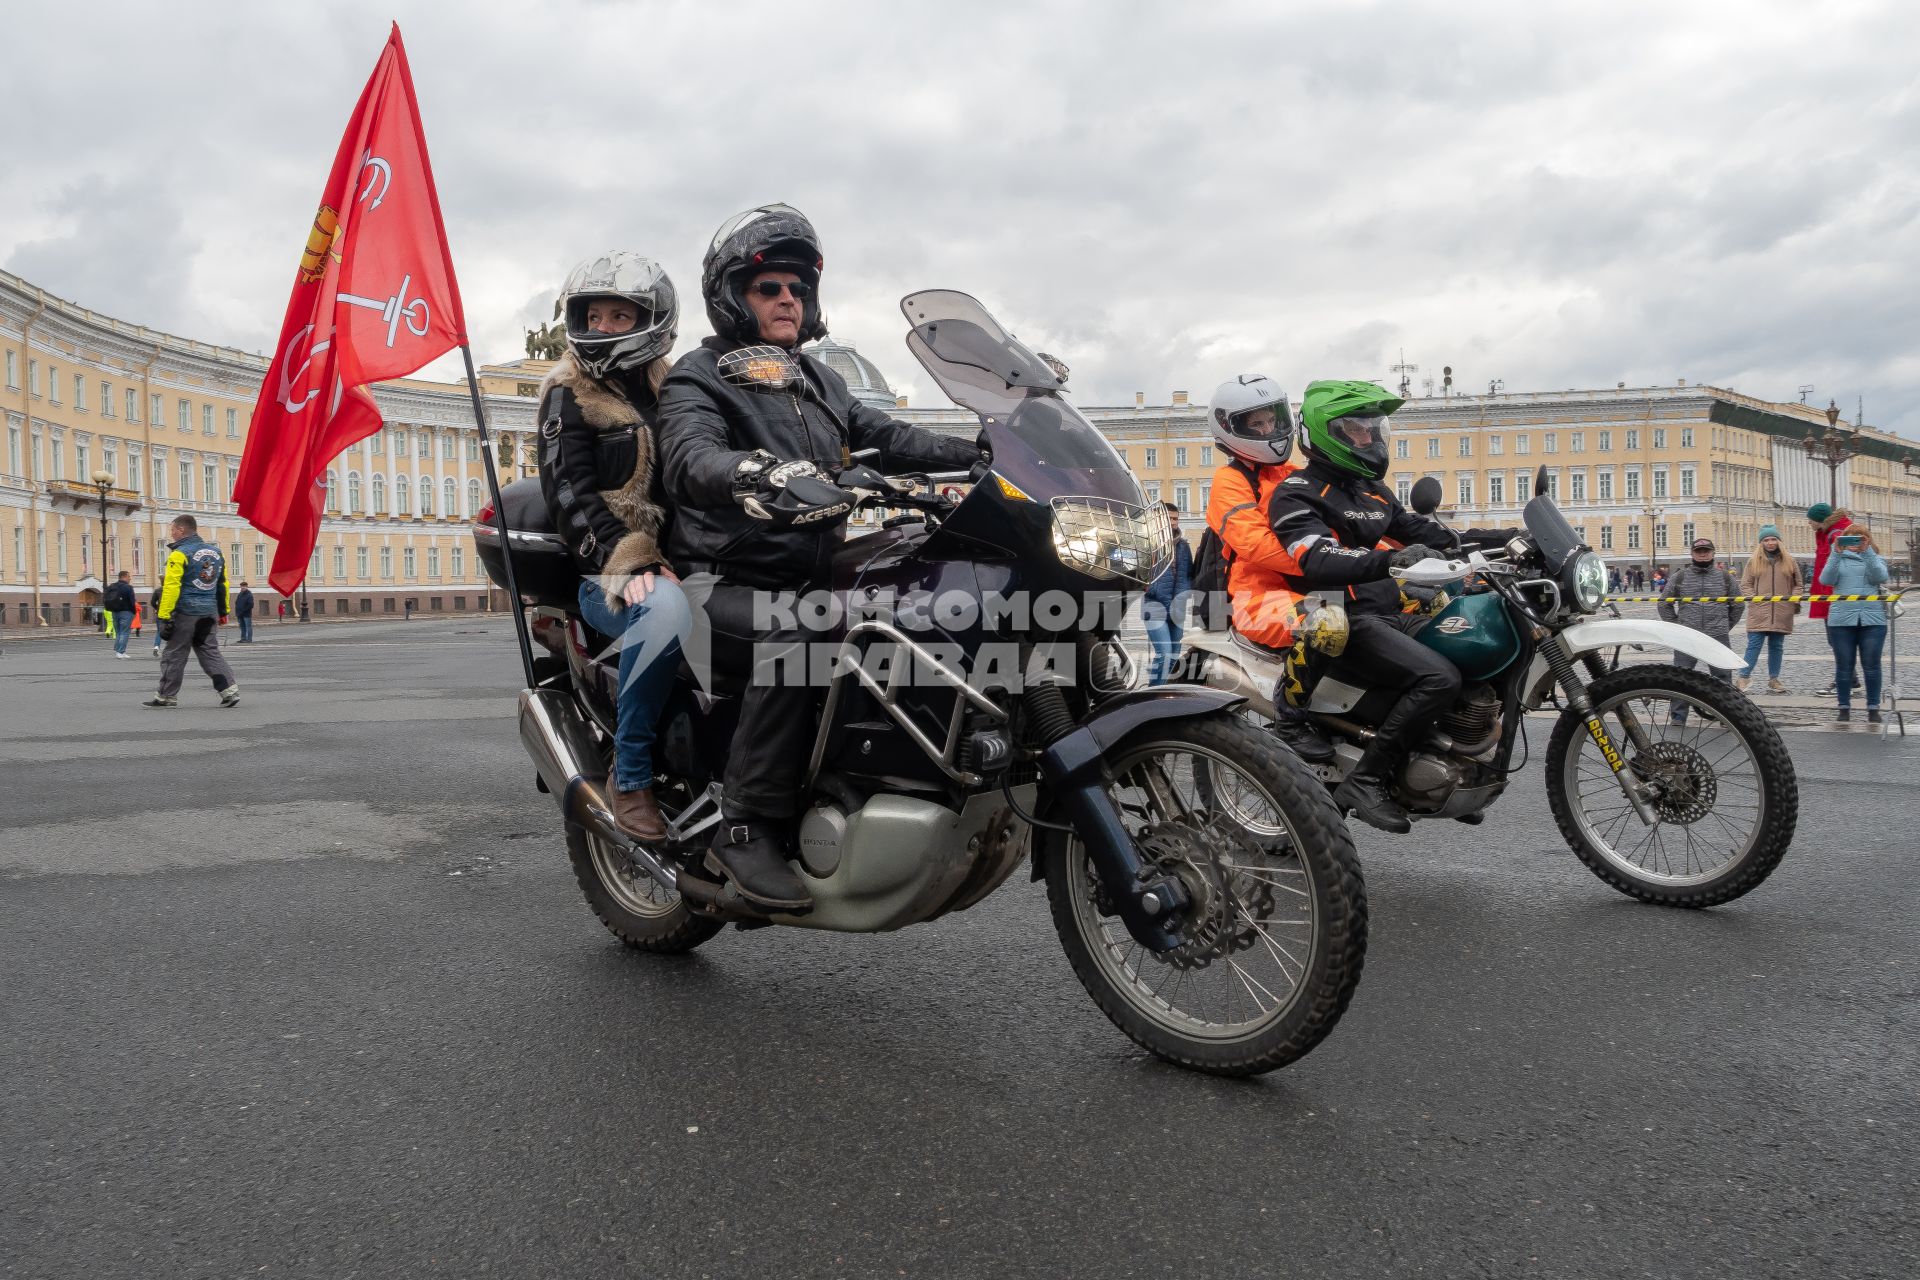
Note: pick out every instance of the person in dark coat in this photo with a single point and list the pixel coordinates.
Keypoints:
(243, 610)
(118, 600)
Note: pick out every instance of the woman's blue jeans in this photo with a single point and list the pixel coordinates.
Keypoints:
(1776, 643)
(649, 635)
(1866, 642)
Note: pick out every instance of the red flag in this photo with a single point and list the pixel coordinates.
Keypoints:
(375, 298)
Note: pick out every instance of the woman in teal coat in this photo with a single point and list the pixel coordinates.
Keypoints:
(1856, 626)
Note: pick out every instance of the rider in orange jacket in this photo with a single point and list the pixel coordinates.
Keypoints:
(1253, 424)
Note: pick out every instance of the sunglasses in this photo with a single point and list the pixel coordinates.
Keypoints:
(773, 289)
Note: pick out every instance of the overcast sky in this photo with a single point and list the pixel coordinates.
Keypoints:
(1162, 194)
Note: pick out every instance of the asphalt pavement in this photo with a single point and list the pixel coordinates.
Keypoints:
(305, 988)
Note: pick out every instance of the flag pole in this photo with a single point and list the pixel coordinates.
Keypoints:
(500, 519)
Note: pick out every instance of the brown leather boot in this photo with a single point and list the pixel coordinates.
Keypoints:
(638, 815)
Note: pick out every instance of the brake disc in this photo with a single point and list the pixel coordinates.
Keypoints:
(1689, 787)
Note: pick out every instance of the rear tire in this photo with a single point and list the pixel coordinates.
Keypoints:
(1309, 877)
(634, 908)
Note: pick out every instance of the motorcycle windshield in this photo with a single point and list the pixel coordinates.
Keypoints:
(1550, 531)
(1040, 442)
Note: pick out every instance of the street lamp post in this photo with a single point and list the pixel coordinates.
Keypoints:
(103, 485)
(1653, 514)
(1831, 449)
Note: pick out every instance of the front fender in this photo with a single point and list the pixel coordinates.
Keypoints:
(1120, 715)
(1612, 633)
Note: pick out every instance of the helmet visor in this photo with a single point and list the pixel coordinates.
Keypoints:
(1359, 431)
(1266, 424)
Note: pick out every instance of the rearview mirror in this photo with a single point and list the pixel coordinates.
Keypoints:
(1425, 496)
(1540, 485)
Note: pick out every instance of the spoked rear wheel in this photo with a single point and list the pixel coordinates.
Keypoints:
(1722, 790)
(1277, 932)
(634, 906)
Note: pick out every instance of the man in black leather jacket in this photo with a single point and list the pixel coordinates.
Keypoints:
(730, 442)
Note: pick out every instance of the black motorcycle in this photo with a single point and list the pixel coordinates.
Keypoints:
(979, 709)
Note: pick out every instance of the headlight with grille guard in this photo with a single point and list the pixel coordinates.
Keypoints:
(1589, 582)
(1107, 539)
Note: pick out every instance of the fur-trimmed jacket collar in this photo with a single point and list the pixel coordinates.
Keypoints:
(596, 465)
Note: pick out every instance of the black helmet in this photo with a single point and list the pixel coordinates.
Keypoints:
(773, 237)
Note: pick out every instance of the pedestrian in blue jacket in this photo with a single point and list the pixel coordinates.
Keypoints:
(1855, 567)
(1164, 611)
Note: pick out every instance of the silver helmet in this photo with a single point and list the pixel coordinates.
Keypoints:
(640, 281)
(1252, 420)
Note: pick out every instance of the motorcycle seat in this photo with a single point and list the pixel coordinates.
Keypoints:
(1256, 648)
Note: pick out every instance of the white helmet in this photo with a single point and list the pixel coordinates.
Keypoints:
(626, 275)
(1235, 428)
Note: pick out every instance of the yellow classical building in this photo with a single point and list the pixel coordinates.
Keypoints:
(107, 420)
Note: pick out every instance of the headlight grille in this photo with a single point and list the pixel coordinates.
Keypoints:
(1106, 538)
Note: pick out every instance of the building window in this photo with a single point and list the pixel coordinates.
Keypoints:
(1686, 534)
(13, 449)
(1660, 536)
(13, 370)
(1659, 482)
(60, 546)
(1606, 442)
(159, 476)
(1553, 485)
(1578, 444)
(1153, 492)
(133, 405)
(1180, 455)
(386, 562)
(459, 562)
(59, 459)
(339, 563)
(433, 562)
(408, 560)
(184, 416)
(1402, 486)
(82, 455)
(377, 443)
(402, 496)
(1206, 455)
(233, 424)
(206, 419)
(1123, 457)
(1633, 439)
(1550, 442)
(1153, 459)
(53, 394)
(1633, 484)
(80, 392)
(473, 449)
(33, 385)
(426, 443)
(1466, 491)
(133, 467)
(1606, 486)
(1466, 446)
(1578, 490)
(1686, 437)
(1496, 445)
(106, 399)
(154, 414)
(360, 562)
(473, 497)
(186, 481)
(1659, 437)
(1606, 537)
(379, 495)
(210, 484)
(1401, 448)
(426, 496)
(1633, 536)
(353, 493)
(1496, 490)
(1181, 496)
(1688, 482)
(1522, 444)
(1433, 446)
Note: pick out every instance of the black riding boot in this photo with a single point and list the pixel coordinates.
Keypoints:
(1369, 793)
(751, 856)
(1304, 737)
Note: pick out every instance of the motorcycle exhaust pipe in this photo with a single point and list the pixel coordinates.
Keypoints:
(566, 757)
(1230, 677)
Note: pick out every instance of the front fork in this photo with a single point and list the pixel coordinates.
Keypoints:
(1574, 689)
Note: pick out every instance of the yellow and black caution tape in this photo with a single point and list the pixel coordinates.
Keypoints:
(1745, 599)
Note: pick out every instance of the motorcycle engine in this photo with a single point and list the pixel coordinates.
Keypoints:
(1429, 779)
(1473, 722)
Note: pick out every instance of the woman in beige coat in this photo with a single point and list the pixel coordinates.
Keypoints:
(1771, 572)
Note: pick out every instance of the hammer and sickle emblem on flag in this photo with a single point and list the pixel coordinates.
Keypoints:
(290, 376)
(382, 173)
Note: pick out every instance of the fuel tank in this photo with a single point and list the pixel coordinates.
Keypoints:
(1475, 633)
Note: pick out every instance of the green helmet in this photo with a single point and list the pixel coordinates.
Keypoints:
(1345, 425)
